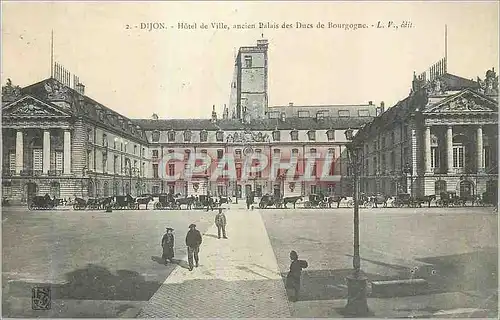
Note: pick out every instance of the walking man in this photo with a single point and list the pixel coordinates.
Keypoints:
(210, 202)
(249, 199)
(220, 222)
(167, 242)
(193, 242)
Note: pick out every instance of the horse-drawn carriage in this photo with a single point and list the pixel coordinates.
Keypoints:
(373, 201)
(316, 201)
(42, 202)
(449, 198)
(125, 202)
(488, 199)
(268, 200)
(403, 199)
(165, 201)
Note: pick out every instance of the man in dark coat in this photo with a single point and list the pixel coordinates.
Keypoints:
(210, 202)
(250, 197)
(293, 277)
(220, 222)
(167, 242)
(193, 242)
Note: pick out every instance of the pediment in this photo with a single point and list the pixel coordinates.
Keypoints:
(29, 106)
(464, 101)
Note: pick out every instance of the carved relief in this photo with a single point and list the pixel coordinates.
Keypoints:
(436, 86)
(249, 136)
(56, 91)
(28, 108)
(462, 103)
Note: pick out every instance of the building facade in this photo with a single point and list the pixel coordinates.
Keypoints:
(58, 141)
(442, 137)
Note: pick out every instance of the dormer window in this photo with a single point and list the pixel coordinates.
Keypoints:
(104, 140)
(219, 136)
(171, 136)
(187, 136)
(294, 135)
(283, 116)
(320, 115)
(155, 136)
(276, 135)
(303, 114)
(311, 134)
(203, 136)
(330, 134)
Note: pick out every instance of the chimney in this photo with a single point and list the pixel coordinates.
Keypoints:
(262, 43)
(382, 106)
(290, 104)
(225, 114)
(214, 114)
(370, 103)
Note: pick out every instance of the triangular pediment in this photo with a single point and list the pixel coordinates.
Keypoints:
(464, 101)
(29, 106)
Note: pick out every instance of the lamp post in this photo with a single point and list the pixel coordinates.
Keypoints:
(357, 304)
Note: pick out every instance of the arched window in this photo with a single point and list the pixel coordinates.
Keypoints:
(294, 135)
(311, 134)
(466, 189)
(171, 136)
(330, 134)
(105, 189)
(219, 135)
(276, 135)
(439, 187)
(187, 135)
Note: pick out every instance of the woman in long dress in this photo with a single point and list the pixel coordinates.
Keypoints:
(167, 242)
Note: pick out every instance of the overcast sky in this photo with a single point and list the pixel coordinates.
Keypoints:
(181, 74)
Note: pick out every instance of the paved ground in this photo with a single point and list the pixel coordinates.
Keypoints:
(454, 249)
(106, 265)
(112, 259)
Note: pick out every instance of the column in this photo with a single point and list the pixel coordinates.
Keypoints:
(46, 151)
(67, 152)
(427, 149)
(449, 149)
(19, 151)
(479, 144)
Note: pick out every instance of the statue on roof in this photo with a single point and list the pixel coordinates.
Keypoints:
(10, 92)
(436, 86)
(56, 91)
(490, 84)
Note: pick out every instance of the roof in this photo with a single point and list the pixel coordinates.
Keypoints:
(454, 82)
(82, 105)
(326, 106)
(263, 124)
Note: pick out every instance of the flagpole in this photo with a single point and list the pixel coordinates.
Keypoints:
(445, 47)
(52, 54)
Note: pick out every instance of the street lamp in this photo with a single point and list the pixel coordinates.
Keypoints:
(357, 304)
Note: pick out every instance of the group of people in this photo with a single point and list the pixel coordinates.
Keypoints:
(194, 240)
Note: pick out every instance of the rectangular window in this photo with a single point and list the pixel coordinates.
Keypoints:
(37, 160)
(294, 135)
(156, 189)
(313, 189)
(303, 114)
(331, 189)
(155, 154)
(220, 153)
(238, 172)
(171, 169)
(115, 163)
(487, 157)
(458, 156)
(248, 61)
(434, 157)
(344, 113)
(393, 161)
(363, 113)
(155, 171)
(383, 168)
(220, 190)
(274, 115)
(12, 161)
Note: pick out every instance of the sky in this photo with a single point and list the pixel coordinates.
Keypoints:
(182, 73)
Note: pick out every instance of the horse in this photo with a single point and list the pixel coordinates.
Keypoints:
(188, 201)
(291, 200)
(425, 199)
(103, 203)
(223, 200)
(335, 199)
(143, 200)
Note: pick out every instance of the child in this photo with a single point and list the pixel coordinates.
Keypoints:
(293, 277)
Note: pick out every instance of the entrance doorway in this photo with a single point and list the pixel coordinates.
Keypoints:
(277, 191)
(248, 190)
(31, 191)
(466, 189)
(238, 191)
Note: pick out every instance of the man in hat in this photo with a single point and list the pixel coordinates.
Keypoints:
(220, 222)
(193, 242)
(250, 198)
(167, 242)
